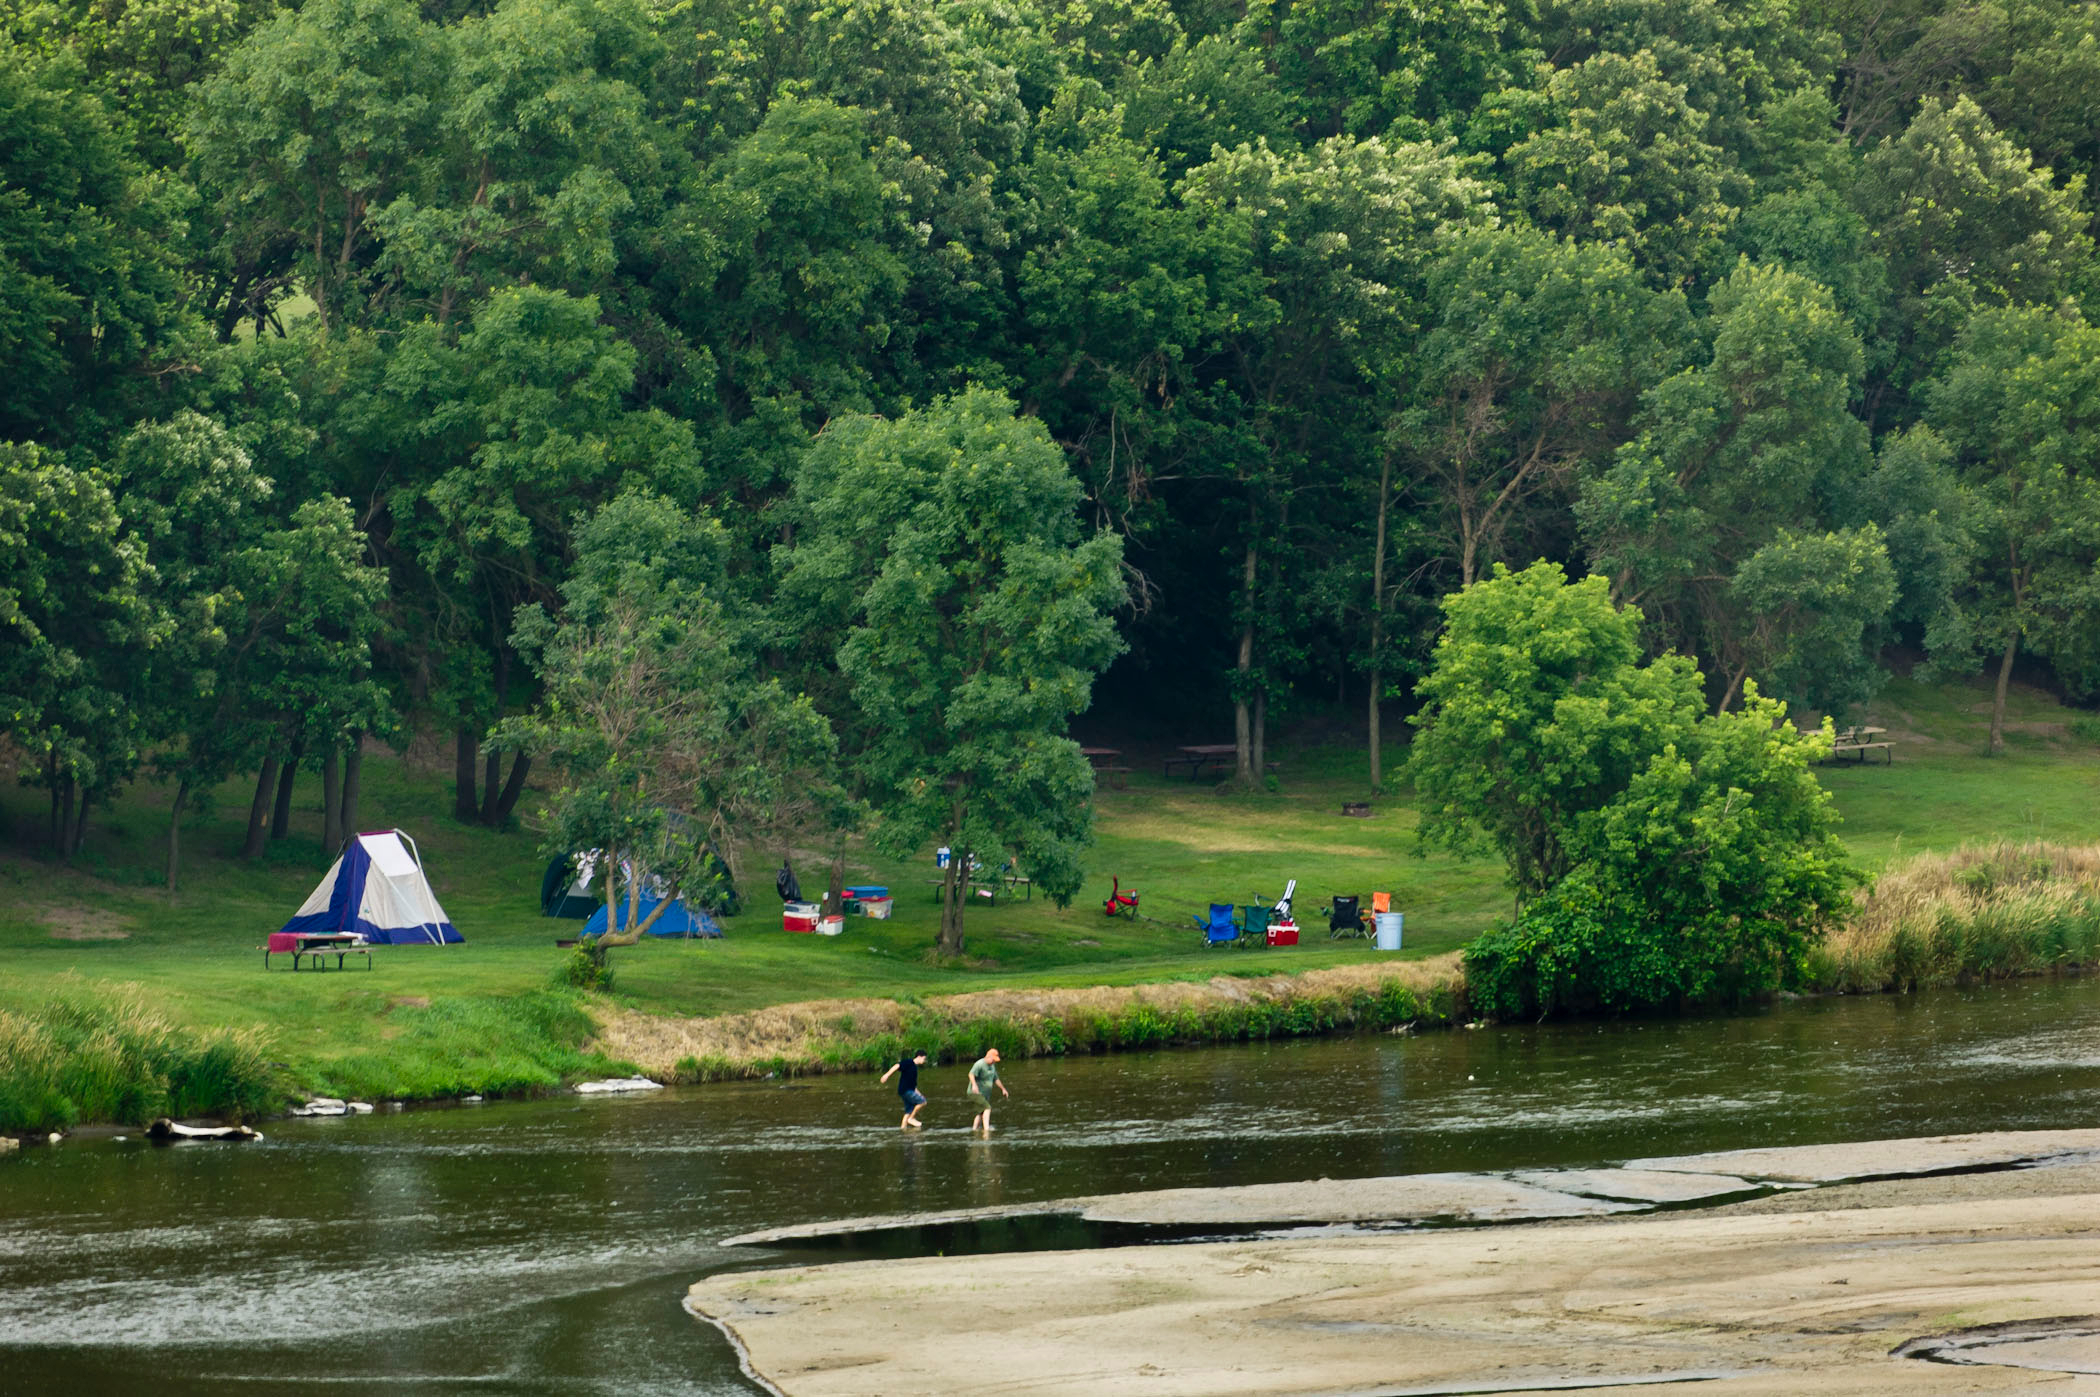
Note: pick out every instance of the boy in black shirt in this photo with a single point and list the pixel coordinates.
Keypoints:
(908, 1086)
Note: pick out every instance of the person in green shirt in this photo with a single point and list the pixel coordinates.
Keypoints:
(984, 1075)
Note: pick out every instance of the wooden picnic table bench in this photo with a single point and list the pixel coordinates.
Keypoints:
(1221, 755)
(1857, 742)
(313, 946)
(1103, 761)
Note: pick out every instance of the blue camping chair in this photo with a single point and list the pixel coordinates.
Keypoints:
(1220, 930)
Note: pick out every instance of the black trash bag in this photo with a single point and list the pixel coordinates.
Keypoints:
(790, 887)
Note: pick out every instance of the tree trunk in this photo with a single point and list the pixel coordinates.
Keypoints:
(2005, 665)
(182, 795)
(491, 780)
(68, 821)
(1261, 733)
(259, 807)
(1385, 499)
(464, 804)
(614, 934)
(281, 816)
(835, 895)
(353, 785)
(1242, 727)
(500, 806)
(955, 887)
(331, 803)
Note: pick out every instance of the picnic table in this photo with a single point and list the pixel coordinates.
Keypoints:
(316, 944)
(1103, 761)
(1857, 742)
(1199, 755)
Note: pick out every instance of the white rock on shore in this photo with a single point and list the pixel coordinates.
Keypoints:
(617, 1084)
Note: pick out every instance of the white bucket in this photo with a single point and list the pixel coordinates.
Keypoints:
(1389, 931)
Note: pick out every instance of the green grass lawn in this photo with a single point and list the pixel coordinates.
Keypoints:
(196, 954)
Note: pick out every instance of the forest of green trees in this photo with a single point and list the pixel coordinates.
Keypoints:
(331, 328)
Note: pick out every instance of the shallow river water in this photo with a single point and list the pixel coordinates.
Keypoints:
(543, 1247)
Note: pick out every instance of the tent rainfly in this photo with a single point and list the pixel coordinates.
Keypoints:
(678, 919)
(376, 889)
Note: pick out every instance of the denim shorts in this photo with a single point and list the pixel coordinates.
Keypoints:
(912, 1098)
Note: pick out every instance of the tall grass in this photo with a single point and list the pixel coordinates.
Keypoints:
(1981, 912)
(109, 1058)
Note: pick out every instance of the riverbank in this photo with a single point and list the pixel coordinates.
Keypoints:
(1795, 1292)
(487, 1018)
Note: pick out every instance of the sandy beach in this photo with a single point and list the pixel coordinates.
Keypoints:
(1806, 1291)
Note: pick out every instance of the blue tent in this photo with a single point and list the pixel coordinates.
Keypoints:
(678, 919)
(376, 889)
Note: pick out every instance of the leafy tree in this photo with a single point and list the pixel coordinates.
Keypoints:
(1707, 879)
(1530, 365)
(2020, 405)
(1745, 453)
(1966, 222)
(1333, 241)
(664, 745)
(90, 291)
(80, 621)
(1628, 163)
(516, 427)
(1537, 711)
(975, 619)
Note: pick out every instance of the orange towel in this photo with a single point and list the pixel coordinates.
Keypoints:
(1381, 902)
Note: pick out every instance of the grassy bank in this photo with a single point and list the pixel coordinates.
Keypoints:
(1980, 912)
(485, 1016)
(86, 1057)
(870, 1034)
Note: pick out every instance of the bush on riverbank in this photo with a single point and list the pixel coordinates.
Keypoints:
(83, 1058)
(1981, 912)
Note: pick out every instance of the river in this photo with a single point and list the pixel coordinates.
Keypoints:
(544, 1246)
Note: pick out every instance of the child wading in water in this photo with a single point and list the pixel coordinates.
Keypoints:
(908, 1086)
(984, 1075)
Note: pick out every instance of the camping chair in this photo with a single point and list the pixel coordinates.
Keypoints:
(1220, 930)
(1121, 903)
(1345, 919)
(1254, 922)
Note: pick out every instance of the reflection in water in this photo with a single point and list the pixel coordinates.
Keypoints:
(544, 1246)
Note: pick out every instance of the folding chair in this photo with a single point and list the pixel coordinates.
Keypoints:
(1220, 930)
(1254, 923)
(1345, 919)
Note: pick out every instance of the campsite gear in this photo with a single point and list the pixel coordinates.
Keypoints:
(565, 888)
(941, 857)
(1119, 902)
(830, 926)
(1345, 919)
(1381, 902)
(799, 916)
(1283, 933)
(790, 887)
(680, 919)
(1220, 930)
(1283, 904)
(1389, 927)
(1254, 922)
(862, 892)
(375, 889)
(877, 907)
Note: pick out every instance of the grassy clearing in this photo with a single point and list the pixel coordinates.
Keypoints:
(485, 1016)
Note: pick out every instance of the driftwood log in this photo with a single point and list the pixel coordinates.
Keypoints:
(167, 1132)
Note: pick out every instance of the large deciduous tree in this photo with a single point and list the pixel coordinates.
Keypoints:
(667, 749)
(975, 616)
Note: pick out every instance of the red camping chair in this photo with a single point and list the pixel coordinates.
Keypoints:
(1120, 903)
